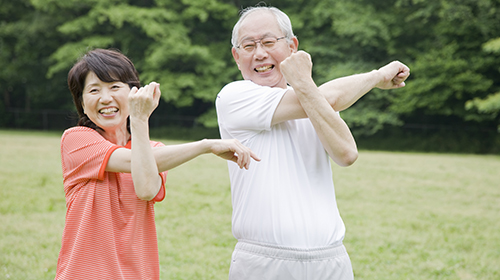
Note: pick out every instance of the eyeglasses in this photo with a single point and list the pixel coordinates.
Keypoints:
(267, 43)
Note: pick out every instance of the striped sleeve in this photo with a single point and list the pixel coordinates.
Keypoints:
(85, 154)
(162, 192)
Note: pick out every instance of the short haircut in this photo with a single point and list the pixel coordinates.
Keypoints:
(109, 66)
(283, 21)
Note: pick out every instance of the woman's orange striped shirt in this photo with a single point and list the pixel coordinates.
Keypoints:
(109, 233)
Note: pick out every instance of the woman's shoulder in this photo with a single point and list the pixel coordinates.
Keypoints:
(79, 129)
(80, 132)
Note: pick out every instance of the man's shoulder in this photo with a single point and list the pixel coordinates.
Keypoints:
(240, 85)
(248, 88)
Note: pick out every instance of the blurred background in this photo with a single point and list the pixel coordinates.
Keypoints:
(451, 102)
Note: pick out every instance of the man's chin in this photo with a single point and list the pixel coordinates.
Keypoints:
(269, 82)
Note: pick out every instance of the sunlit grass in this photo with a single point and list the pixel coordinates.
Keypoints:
(408, 216)
(422, 216)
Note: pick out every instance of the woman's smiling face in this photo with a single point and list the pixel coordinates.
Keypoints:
(106, 104)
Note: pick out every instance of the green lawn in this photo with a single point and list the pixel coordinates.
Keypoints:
(408, 216)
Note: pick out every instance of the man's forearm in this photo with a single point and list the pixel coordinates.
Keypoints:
(341, 93)
(330, 128)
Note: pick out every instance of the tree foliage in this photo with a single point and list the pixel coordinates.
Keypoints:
(451, 46)
(442, 42)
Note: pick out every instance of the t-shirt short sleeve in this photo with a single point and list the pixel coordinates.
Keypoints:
(245, 108)
(85, 154)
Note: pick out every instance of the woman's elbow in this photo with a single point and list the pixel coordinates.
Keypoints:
(147, 191)
(146, 196)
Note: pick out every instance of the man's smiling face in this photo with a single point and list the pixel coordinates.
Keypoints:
(263, 66)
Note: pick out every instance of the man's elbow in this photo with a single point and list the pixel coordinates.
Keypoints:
(348, 158)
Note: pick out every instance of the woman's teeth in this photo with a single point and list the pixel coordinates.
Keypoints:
(108, 110)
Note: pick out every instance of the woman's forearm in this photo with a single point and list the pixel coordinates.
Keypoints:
(144, 170)
(171, 156)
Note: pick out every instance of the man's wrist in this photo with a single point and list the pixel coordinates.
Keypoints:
(376, 77)
(305, 87)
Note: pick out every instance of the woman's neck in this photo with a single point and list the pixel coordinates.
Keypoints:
(119, 136)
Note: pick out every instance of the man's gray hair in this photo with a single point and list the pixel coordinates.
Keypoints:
(283, 21)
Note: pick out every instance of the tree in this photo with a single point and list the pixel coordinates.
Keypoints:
(451, 47)
(441, 41)
(347, 37)
(27, 38)
(490, 105)
(183, 45)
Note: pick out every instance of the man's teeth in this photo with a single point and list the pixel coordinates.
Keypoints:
(108, 110)
(263, 68)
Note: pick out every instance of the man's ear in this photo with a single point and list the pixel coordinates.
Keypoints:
(294, 45)
(236, 56)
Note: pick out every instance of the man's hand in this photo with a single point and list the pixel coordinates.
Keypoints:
(393, 75)
(297, 70)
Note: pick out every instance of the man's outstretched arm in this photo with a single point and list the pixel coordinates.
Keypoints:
(341, 93)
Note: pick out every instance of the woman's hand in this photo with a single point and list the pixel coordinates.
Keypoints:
(143, 101)
(232, 149)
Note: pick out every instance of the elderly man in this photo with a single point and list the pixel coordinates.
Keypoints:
(285, 215)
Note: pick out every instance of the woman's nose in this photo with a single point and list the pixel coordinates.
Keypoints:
(106, 96)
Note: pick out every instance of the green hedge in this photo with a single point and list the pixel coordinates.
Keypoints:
(432, 140)
(437, 140)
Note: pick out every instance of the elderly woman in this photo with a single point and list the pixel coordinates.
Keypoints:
(113, 173)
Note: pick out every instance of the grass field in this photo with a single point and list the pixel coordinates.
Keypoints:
(408, 216)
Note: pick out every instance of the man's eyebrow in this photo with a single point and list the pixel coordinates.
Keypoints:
(268, 34)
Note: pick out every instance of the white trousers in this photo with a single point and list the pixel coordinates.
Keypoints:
(251, 261)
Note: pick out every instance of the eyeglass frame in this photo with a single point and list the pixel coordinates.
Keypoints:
(260, 42)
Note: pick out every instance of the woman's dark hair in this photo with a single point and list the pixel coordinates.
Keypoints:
(109, 66)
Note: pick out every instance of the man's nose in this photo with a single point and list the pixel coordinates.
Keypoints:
(260, 51)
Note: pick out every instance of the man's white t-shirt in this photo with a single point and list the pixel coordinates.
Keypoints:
(288, 198)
